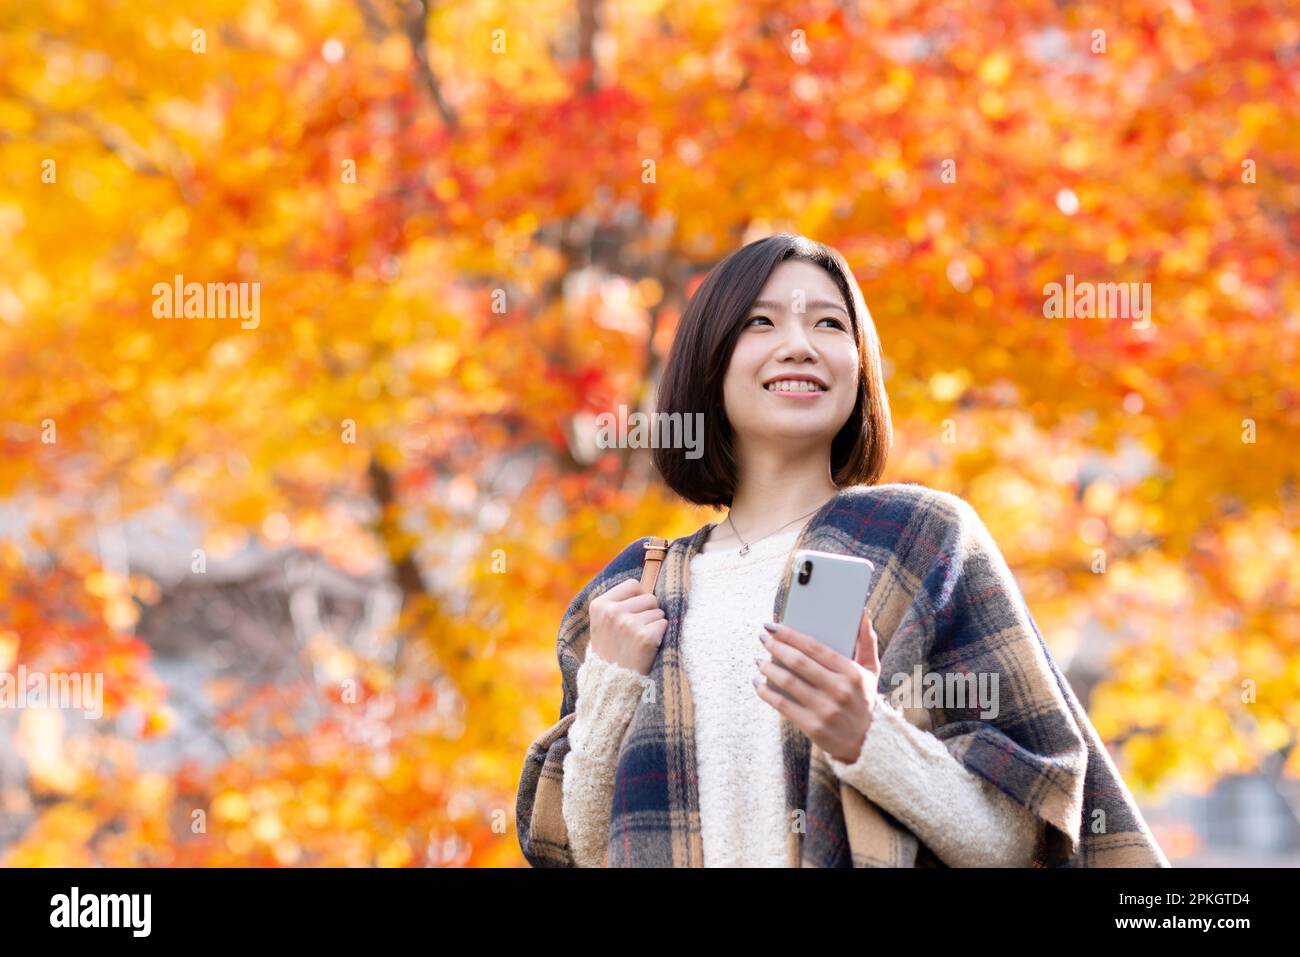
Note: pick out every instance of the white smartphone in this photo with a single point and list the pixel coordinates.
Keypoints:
(825, 597)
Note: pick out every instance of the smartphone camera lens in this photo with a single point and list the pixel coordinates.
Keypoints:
(805, 571)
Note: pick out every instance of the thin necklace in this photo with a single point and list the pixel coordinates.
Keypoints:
(744, 548)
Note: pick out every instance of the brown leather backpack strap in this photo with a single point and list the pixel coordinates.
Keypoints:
(655, 550)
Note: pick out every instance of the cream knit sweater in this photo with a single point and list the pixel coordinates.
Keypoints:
(908, 772)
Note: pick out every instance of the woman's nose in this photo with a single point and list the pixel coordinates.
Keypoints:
(794, 343)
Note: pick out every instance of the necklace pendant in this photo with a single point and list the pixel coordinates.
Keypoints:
(744, 550)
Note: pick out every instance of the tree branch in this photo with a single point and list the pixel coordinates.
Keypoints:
(416, 32)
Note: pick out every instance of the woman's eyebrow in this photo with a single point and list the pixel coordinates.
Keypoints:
(811, 304)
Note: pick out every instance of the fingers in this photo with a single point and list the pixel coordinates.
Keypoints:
(627, 625)
(793, 709)
(867, 650)
(826, 657)
(649, 616)
(788, 679)
(808, 671)
(624, 589)
(654, 631)
(626, 597)
(637, 602)
(629, 596)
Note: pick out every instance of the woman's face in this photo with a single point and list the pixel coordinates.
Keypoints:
(779, 344)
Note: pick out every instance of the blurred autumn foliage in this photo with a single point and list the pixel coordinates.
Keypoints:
(474, 227)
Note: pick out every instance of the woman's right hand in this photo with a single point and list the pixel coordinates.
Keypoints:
(627, 626)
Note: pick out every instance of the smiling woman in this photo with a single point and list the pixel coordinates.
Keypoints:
(724, 757)
(780, 309)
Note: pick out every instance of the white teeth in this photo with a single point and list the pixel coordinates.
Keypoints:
(793, 385)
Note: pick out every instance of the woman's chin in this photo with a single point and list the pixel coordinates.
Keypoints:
(802, 430)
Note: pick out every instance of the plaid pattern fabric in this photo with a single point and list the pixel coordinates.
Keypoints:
(942, 599)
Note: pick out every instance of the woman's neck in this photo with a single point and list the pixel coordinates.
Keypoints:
(773, 493)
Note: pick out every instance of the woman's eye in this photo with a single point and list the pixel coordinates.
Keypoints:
(839, 323)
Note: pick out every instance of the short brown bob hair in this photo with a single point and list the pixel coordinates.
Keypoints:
(701, 352)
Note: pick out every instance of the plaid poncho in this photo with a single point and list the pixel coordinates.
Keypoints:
(942, 598)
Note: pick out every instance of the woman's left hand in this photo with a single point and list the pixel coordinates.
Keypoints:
(833, 697)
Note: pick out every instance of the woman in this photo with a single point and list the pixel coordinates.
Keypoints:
(673, 746)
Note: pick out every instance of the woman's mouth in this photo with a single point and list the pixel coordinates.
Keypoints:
(795, 388)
